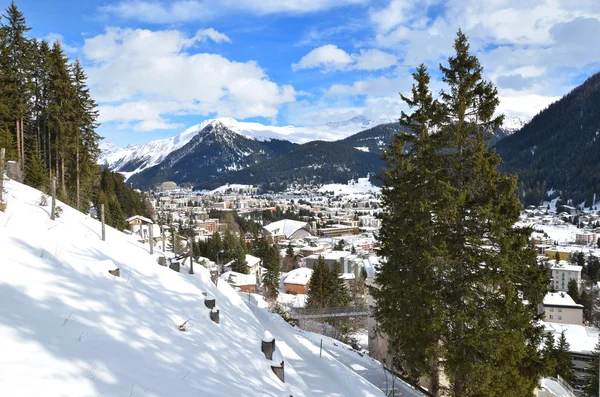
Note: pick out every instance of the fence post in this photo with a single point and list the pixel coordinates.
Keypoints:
(151, 237)
(53, 210)
(190, 240)
(101, 219)
(2, 154)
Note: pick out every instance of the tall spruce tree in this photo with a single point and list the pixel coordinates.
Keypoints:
(239, 260)
(339, 295)
(459, 288)
(563, 359)
(272, 267)
(319, 289)
(592, 386)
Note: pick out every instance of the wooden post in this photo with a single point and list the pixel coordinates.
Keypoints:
(62, 176)
(2, 154)
(151, 237)
(53, 213)
(101, 219)
(190, 240)
(174, 241)
(162, 237)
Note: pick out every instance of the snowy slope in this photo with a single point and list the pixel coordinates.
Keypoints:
(69, 328)
(362, 186)
(337, 361)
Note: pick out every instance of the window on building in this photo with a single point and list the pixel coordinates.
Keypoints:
(551, 317)
(560, 317)
(551, 309)
(560, 309)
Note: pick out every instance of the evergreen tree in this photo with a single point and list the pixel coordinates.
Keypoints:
(272, 267)
(239, 260)
(564, 361)
(36, 175)
(339, 296)
(592, 386)
(319, 289)
(457, 272)
(573, 290)
(586, 300)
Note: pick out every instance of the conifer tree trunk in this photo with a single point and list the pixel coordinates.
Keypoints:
(49, 141)
(62, 176)
(23, 145)
(18, 141)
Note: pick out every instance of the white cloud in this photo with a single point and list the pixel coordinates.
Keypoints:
(329, 57)
(144, 76)
(373, 59)
(52, 37)
(155, 11)
(210, 33)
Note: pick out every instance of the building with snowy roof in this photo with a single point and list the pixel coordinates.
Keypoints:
(560, 308)
(253, 263)
(562, 273)
(287, 229)
(582, 342)
(298, 280)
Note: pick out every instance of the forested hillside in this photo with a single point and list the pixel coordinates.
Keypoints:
(559, 149)
(48, 118)
(316, 162)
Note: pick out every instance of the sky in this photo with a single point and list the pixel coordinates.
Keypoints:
(156, 67)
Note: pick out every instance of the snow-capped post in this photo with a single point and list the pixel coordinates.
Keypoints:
(268, 345)
(214, 314)
(101, 213)
(162, 237)
(210, 302)
(151, 238)
(53, 210)
(191, 255)
(321, 349)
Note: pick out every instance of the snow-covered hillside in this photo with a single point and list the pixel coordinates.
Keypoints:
(360, 187)
(69, 328)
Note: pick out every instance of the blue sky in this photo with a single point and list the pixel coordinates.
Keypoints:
(156, 67)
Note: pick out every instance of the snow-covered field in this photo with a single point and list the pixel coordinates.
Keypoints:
(69, 328)
(361, 186)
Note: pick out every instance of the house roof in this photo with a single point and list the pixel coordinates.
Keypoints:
(251, 261)
(300, 276)
(581, 339)
(563, 266)
(141, 218)
(286, 227)
(238, 279)
(561, 299)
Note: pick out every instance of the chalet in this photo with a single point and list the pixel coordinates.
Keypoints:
(253, 263)
(243, 282)
(297, 281)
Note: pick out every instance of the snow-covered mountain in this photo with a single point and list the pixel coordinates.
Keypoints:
(134, 159)
(218, 148)
(70, 328)
(514, 123)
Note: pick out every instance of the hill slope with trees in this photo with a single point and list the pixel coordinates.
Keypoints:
(559, 149)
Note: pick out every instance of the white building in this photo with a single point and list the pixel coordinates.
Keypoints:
(585, 238)
(562, 273)
(559, 307)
